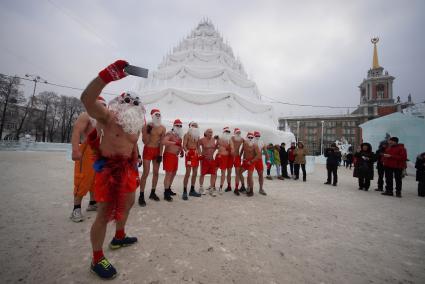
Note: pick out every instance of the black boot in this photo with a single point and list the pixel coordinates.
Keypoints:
(172, 193)
(142, 201)
(167, 195)
(153, 196)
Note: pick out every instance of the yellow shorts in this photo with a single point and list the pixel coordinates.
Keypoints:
(84, 172)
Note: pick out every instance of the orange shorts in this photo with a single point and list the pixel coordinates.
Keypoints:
(208, 167)
(192, 158)
(171, 162)
(115, 178)
(259, 166)
(224, 161)
(248, 166)
(84, 172)
(150, 153)
(237, 161)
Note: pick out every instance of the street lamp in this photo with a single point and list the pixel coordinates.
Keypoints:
(321, 140)
(298, 131)
(35, 79)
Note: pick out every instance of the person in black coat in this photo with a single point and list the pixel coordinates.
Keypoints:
(363, 168)
(420, 174)
(283, 160)
(333, 158)
(380, 165)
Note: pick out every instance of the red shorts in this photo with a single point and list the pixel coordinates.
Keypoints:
(150, 153)
(208, 167)
(224, 161)
(192, 158)
(237, 161)
(259, 166)
(171, 162)
(248, 166)
(115, 177)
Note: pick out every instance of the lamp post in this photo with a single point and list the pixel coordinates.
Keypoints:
(321, 140)
(298, 131)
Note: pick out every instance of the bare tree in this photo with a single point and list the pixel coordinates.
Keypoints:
(69, 109)
(44, 101)
(10, 93)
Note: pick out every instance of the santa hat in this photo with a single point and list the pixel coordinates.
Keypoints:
(237, 130)
(177, 122)
(257, 134)
(226, 129)
(155, 111)
(250, 134)
(192, 123)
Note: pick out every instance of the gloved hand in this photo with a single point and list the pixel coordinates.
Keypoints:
(113, 72)
(158, 159)
(149, 129)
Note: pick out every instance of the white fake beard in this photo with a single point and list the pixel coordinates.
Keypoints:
(250, 143)
(178, 131)
(238, 137)
(156, 121)
(194, 132)
(130, 118)
(226, 136)
(259, 142)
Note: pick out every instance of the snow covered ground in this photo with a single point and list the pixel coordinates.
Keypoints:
(299, 233)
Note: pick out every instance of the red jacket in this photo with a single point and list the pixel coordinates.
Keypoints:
(398, 157)
(291, 154)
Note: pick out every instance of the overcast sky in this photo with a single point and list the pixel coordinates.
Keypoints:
(307, 52)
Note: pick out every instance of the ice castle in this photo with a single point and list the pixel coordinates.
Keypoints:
(201, 80)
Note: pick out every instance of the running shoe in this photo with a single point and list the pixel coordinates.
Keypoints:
(92, 207)
(125, 242)
(262, 192)
(104, 269)
(184, 196)
(76, 215)
(193, 193)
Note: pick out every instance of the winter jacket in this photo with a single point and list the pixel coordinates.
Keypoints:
(398, 157)
(283, 156)
(420, 168)
(333, 157)
(291, 154)
(300, 154)
(276, 157)
(271, 156)
(364, 164)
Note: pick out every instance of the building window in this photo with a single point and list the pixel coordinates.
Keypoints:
(380, 91)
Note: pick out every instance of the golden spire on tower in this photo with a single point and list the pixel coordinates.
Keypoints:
(375, 63)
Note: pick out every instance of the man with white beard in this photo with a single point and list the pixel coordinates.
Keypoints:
(152, 134)
(192, 150)
(172, 142)
(259, 166)
(116, 176)
(224, 159)
(251, 155)
(235, 145)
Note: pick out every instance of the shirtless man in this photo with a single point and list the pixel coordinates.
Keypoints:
(235, 146)
(117, 177)
(208, 147)
(152, 134)
(192, 150)
(224, 159)
(172, 142)
(259, 166)
(82, 154)
(251, 155)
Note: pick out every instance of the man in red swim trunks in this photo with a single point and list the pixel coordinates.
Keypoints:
(152, 134)
(116, 176)
(235, 145)
(224, 159)
(259, 166)
(172, 142)
(192, 150)
(251, 155)
(208, 147)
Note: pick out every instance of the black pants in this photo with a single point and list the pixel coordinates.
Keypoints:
(349, 164)
(421, 188)
(268, 171)
(284, 167)
(381, 173)
(364, 182)
(291, 167)
(391, 174)
(297, 171)
(332, 171)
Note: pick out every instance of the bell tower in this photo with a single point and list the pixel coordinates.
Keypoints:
(377, 88)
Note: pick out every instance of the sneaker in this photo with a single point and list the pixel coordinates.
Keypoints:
(153, 196)
(91, 207)
(262, 192)
(142, 201)
(243, 189)
(127, 241)
(229, 188)
(76, 215)
(236, 192)
(201, 190)
(184, 196)
(212, 192)
(104, 269)
(220, 191)
(194, 193)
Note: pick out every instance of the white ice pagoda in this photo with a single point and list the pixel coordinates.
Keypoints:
(201, 80)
